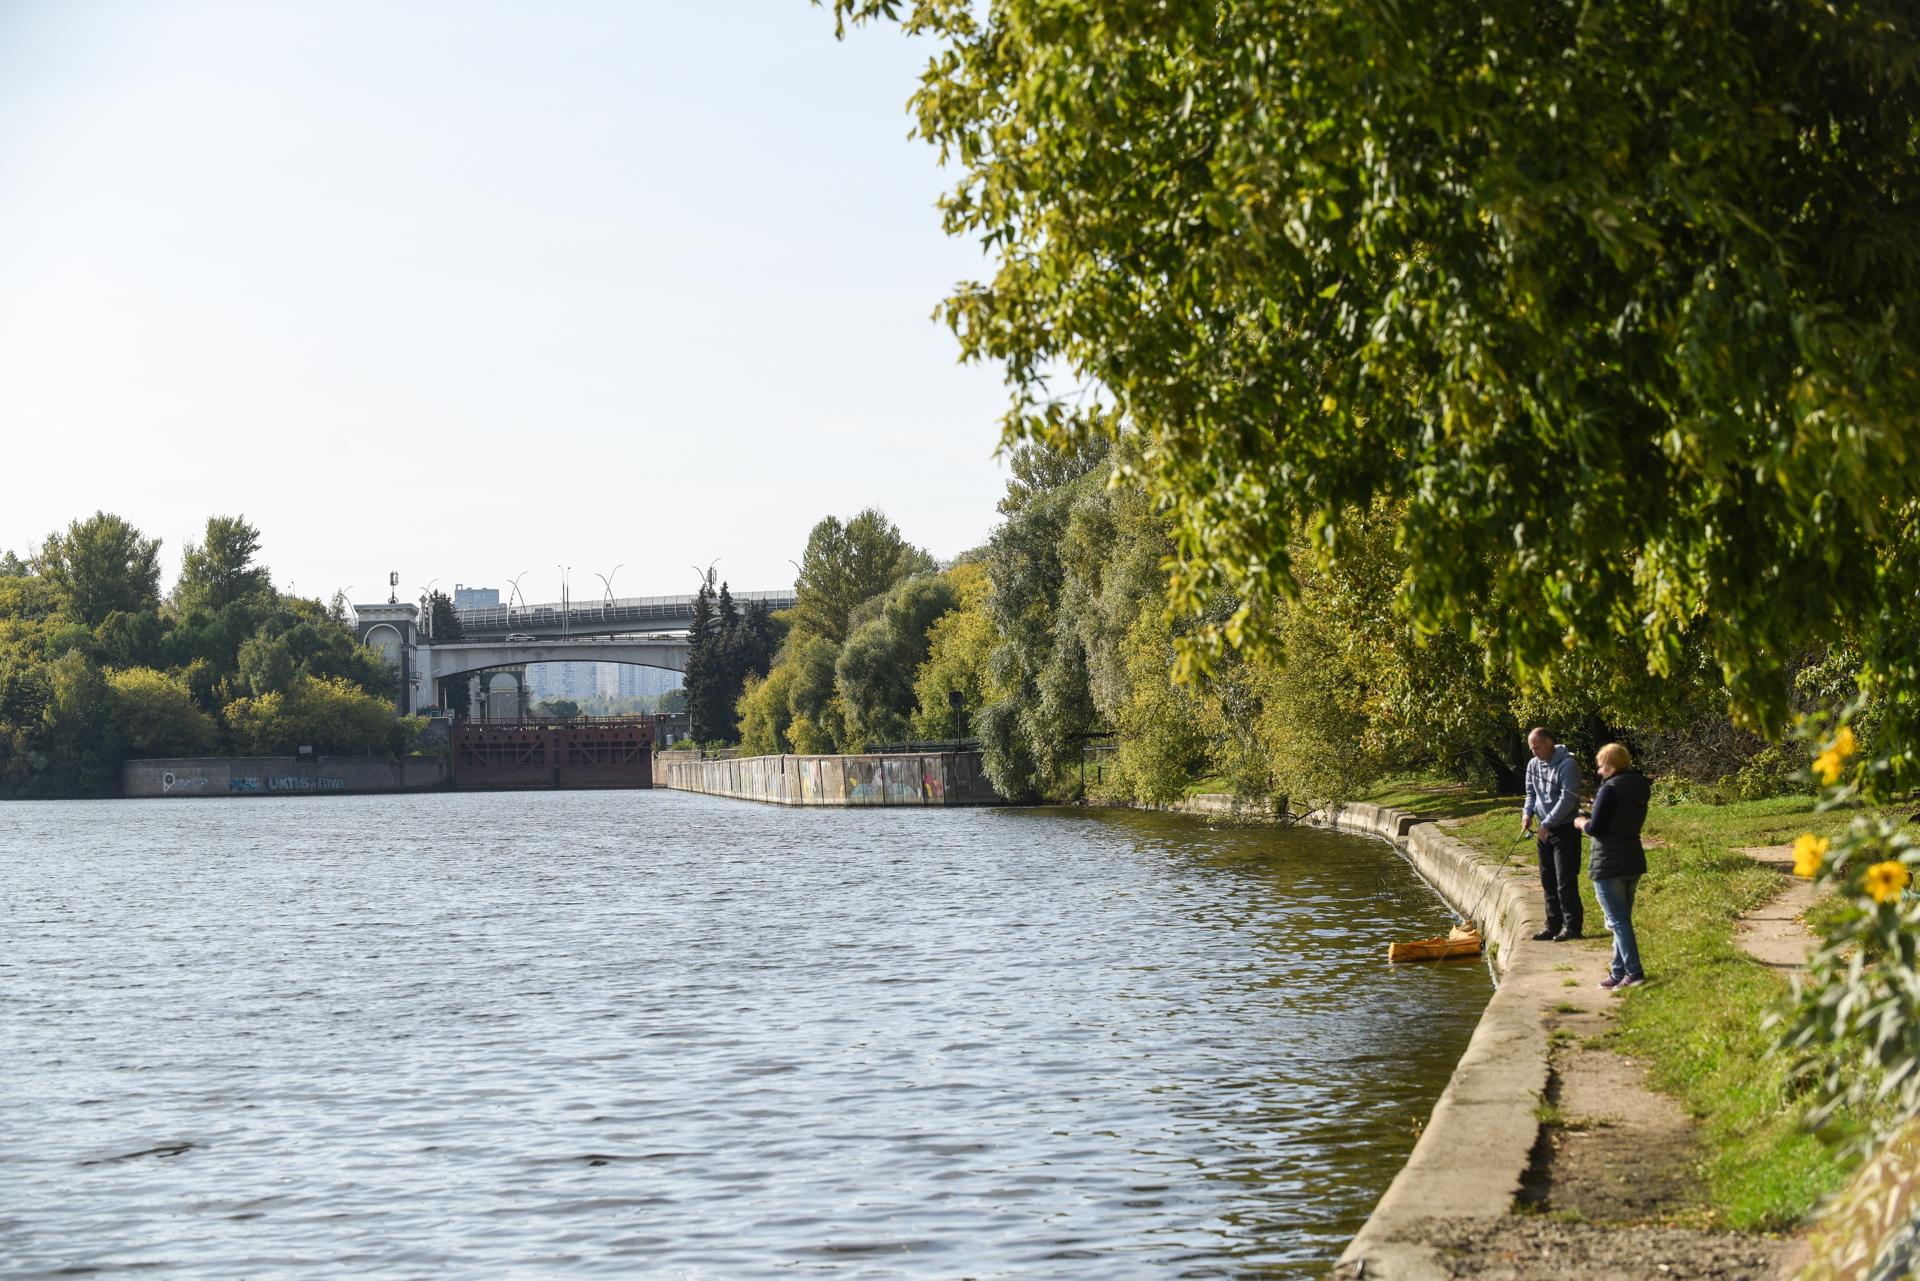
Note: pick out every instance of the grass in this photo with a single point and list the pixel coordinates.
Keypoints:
(1700, 1024)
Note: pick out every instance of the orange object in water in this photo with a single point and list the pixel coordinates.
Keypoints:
(1464, 940)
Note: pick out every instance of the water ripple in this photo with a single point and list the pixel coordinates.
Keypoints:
(652, 1034)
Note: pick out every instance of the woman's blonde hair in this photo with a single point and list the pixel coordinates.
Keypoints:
(1616, 755)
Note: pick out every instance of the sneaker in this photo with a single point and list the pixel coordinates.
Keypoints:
(1609, 982)
(1567, 936)
(1631, 980)
(1546, 936)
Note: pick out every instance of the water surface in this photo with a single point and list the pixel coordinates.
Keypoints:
(658, 1034)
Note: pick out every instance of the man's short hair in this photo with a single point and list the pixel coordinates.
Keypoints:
(1543, 732)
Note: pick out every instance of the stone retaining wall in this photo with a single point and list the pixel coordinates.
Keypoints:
(1476, 1146)
(914, 778)
(280, 775)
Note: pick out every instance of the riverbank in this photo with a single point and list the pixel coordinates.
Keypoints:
(1665, 1129)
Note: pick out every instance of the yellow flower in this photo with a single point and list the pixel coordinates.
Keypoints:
(1827, 767)
(1830, 764)
(1809, 852)
(1886, 880)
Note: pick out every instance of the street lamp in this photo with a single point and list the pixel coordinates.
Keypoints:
(566, 602)
(607, 581)
(513, 589)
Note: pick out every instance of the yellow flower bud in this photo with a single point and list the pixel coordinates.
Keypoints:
(1843, 745)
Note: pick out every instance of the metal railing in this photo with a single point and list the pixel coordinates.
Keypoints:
(626, 609)
(924, 747)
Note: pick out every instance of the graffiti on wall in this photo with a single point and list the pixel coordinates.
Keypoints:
(300, 783)
(171, 782)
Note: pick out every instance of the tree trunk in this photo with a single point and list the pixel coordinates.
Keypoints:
(1508, 779)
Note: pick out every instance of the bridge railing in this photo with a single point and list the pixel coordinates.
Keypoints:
(636, 608)
(583, 721)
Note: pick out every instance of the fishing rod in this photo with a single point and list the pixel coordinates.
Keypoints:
(1505, 860)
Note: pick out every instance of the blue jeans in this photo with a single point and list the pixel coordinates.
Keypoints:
(1616, 901)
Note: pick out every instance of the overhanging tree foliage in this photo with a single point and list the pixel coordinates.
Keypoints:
(1615, 300)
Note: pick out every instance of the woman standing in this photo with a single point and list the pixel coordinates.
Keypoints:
(1618, 858)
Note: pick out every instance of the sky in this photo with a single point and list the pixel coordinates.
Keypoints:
(475, 290)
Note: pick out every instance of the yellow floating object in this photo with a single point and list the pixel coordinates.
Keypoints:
(1464, 940)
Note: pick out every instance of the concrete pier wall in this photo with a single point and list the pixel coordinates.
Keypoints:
(916, 778)
(280, 775)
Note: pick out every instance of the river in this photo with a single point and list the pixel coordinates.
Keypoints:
(555, 1034)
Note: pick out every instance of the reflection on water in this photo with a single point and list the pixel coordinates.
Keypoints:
(656, 1034)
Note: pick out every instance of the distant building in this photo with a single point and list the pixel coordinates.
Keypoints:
(578, 682)
(464, 596)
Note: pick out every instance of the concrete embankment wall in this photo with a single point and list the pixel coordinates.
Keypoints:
(1475, 1148)
(280, 775)
(914, 778)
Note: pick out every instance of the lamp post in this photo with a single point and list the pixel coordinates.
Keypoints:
(513, 589)
(566, 602)
(606, 580)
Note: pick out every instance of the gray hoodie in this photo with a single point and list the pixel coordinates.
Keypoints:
(1553, 788)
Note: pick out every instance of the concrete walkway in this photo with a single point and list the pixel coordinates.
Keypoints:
(1775, 933)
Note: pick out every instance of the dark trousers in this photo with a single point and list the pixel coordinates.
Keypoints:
(1559, 850)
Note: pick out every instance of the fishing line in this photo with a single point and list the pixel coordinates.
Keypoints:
(1505, 860)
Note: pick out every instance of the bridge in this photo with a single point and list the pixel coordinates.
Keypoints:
(424, 665)
(631, 614)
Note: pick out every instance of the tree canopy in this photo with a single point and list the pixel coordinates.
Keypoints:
(848, 563)
(1613, 303)
(100, 565)
(220, 570)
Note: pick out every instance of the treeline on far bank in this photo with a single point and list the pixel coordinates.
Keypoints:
(97, 665)
(1054, 645)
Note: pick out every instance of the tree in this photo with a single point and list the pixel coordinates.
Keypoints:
(154, 714)
(220, 570)
(79, 742)
(1033, 733)
(958, 646)
(725, 648)
(129, 640)
(848, 564)
(1615, 305)
(328, 714)
(765, 715)
(443, 620)
(266, 664)
(876, 667)
(817, 723)
(100, 565)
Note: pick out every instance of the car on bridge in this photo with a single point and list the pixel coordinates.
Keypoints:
(521, 638)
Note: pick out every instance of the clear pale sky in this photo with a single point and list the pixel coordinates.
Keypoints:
(471, 289)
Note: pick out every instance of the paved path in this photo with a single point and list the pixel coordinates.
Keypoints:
(1775, 933)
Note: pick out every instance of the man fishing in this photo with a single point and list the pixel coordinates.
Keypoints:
(1553, 796)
